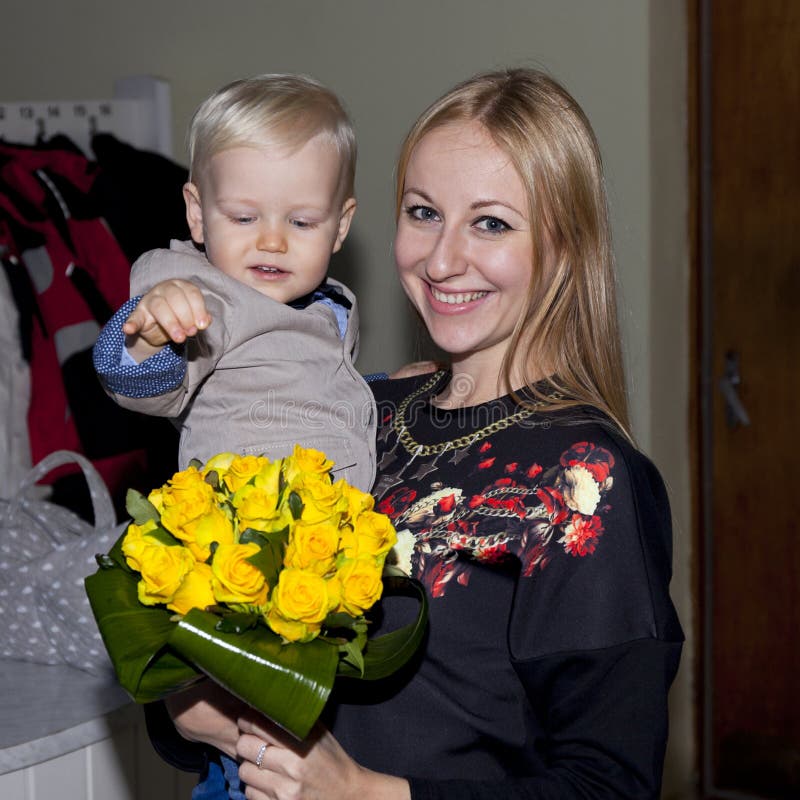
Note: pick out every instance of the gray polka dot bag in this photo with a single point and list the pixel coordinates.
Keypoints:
(46, 551)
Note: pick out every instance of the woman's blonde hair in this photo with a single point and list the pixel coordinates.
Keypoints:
(571, 321)
(273, 108)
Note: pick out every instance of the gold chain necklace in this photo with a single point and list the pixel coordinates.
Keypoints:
(413, 447)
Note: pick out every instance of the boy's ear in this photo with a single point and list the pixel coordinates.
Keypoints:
(345, 218)
(194, 211)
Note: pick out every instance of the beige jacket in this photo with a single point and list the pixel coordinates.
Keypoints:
(263, 376)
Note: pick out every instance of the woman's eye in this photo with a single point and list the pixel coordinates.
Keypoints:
(422, 213)
(492, 225)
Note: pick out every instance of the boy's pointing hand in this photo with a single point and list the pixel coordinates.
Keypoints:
(171, 311)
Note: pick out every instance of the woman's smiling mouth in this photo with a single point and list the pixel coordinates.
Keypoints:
(456, 298)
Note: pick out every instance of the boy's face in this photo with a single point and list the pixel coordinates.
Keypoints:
(271, 218)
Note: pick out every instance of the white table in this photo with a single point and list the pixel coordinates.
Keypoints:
(68, 734)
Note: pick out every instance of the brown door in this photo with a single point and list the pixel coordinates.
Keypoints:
(749, 311)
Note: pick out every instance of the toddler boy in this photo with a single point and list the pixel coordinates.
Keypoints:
(248, 345)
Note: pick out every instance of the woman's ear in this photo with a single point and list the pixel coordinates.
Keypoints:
(345, 218)
(194, 211)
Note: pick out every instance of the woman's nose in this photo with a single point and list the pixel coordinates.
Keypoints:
(271, 239)
(448, 257)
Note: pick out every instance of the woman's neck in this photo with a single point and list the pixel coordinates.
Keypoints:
(477, 380)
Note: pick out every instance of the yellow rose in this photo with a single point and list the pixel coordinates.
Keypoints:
(187, 488)
(375, 532)
(360, 585)
(373, 535)
(306, 460)
(257, 508)
(199, 532)
(195, 591)
(163, 568)
(235, 579)
(156, 497)
(322, 500)
(134, 542)
(242, 469)
(357, 501)
(313, 546)
(268, 477)
(301, 596)
(219, 463)
(291, 630)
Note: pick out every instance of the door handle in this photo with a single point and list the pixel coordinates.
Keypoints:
(735, 411)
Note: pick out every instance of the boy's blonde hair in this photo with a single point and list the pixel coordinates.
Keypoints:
(271, 109)
(570, 323)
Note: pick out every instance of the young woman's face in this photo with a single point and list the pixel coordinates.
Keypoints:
(464, 248)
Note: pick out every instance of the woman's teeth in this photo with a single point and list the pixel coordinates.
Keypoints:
(454, 299)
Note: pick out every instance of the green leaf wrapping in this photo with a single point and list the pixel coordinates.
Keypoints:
(136, 638)
(289, 683)
(154, 656)
(385, 654)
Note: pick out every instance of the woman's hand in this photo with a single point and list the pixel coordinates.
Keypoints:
(207, 713)
(315, 769)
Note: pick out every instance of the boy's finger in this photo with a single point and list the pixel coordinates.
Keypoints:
(174, 318)
(196, 301)
(134, 323)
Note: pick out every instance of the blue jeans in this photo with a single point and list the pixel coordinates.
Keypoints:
(221, 782)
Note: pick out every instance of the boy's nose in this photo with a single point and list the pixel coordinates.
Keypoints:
(271, 239)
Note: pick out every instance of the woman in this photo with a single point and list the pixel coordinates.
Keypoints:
(541, 533)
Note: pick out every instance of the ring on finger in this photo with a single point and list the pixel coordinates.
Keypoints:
(260, 756)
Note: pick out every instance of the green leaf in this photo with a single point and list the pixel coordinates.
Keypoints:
(385, 654)
(212, 479)
(339, 620)
(252, 535)
(238, 622)
(196, 463)
(295, 505)
(269, 559)
(353, 656)
(135, 637)
(140, 508)
(289, 683)
(163, 536)
(104, 561)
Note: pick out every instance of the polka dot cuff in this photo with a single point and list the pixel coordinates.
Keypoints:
(159, 374)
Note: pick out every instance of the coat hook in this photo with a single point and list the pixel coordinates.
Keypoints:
(40, 129)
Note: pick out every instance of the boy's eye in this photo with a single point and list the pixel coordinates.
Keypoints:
(303, 223)
(243, 219)
(422, 213)
(491, 225)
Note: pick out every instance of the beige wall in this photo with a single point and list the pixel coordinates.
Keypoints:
(624, 60)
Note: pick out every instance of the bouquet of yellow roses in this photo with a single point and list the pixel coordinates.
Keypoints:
(258, 574)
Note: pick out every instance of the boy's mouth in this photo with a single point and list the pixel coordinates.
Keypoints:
(267, 270)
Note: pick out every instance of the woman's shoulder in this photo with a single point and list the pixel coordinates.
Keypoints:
(584, 427)
(608, 560)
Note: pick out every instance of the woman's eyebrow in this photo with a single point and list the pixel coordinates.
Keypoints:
(478, 204)
(424, 195)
